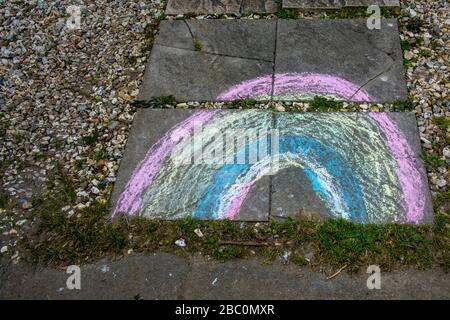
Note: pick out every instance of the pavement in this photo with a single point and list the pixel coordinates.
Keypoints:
(198, 7)
(282, 60)
(165, 276)
(259, 165)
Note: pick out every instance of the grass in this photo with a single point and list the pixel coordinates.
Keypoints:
(321, 104)
(286, 14)
(92, 138)
(414, 25)
(59, 240)
(243, 104)
(404, 105)
(3, 200)
(442, 122)
(433, 160)
(155, 102)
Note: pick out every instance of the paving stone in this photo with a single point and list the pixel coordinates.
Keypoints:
(159, 179)
(232, 52)
(238, 38)
(190, 75)
(235, 61)
(260, 6)
(359, 166)
(203, 6)
(390, 187)
(339, 58)
(336, 4)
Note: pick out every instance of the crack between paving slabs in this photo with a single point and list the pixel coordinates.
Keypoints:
(216, 54)
(241, 7)
(212, 53)
(373, 78)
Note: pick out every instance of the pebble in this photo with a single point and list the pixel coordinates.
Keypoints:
(181, 243)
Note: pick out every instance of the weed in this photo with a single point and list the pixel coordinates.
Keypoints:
(286, 14)
(404, 105)
(433, 160)
(442, 122)
(197, 45)
(321, 104)
(3, 200)
(414, 25)
(155, 102)
(243, 104)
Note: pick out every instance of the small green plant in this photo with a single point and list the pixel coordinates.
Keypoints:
(414, 25)
(155, 102)
(321, 104)
(404, 105)
(433, 160)
(442, 122)
(243, 104)
(197, 45)
(286, 14)
(3, 200)
(406, 46)
(92, 138)
(425, 53)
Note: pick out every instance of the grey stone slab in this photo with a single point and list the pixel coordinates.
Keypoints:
(191, 75)
(293, 196)
(175, 7)
(337, 4)
(153, 277)
(250, 279)
(238, 38)
(166, 276)
(171, 171)
(367, 129)
(260, 6)
(363, 167)
(340, 58)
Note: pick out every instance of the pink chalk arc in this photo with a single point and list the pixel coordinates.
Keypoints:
(408, 175)
(295, 85)
(130, 200)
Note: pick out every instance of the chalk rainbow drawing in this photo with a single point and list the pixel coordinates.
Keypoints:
(296, 86)
(332, 150)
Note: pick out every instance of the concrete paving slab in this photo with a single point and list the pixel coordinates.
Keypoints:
(339, 58)
(260, 6)
(331, 151)
(235, 61)
(364, 167)
(337, 4)
(183, 163)
(165, 276)
(248, 39)
(152, 277)
(231, 51)
(175, 7)
(190, 75)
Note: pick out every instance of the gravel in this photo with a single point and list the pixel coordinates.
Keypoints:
(65, 98)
